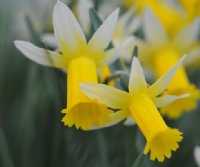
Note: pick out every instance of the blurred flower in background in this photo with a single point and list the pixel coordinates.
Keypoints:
(197, 155)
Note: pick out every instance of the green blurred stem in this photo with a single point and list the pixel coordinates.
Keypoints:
(5, 156)
(102, 149)
(139, 161)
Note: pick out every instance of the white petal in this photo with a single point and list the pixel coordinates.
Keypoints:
(110, 56)
(161, 84)
(83, 7)
(68, 32)
(144, 51)
(116, 117)
(134, 25)
(188, 35)
(154, 31)
(126, 18)
(113, 97)
(125, 47)
(103, 35)
(197, 155)
(49, 40)
(129, 122)
(129, 22)
(167, 99)
(39, 55)
(137, 81)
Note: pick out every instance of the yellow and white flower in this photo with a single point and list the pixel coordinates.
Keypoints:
(141, 104)
(160, 52)
(81, 60)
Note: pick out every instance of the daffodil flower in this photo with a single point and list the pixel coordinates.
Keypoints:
(141, 104)
(164, 11)
(80, 59)
(122, 37)
(160, 52)
(192, 8)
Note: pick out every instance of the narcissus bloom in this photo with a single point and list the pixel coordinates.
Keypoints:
(80, 59)
(141, 104)
(160, 52)
(163, 11)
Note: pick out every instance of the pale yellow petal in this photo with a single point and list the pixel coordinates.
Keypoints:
(137, 81)
(116, 117)
(188, 35)
(161, 84)
(113, 97)
(103, 35)
(167, 99)
(41, 56)
(153, 29)
(67, 30)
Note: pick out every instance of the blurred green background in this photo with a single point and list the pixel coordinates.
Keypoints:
(32, 96)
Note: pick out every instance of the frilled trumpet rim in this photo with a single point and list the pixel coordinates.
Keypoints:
(86, 115)
(161, 139)
(161, 145)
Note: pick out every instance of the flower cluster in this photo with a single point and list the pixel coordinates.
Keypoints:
(162, 32)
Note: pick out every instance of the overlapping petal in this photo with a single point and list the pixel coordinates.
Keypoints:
(102, 37)
(137, 80)
(161, 84)
(116, 117)
(39, 55)
(67, 30)
(188, 35)
(153, 29)
(167, 99)
(113, 97)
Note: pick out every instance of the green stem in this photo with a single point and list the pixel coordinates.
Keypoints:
(139, 161)
(102, 149)
(4, 151)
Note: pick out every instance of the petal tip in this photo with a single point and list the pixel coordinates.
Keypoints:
(19, 44)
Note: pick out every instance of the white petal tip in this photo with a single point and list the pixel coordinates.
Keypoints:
(136, 62)
(184, 96)
(115, 13)
(59, 4)
(19, 44)
(135, 59)
(184, 56)
(83, 85)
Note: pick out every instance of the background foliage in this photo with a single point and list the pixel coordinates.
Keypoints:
(32, 96)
